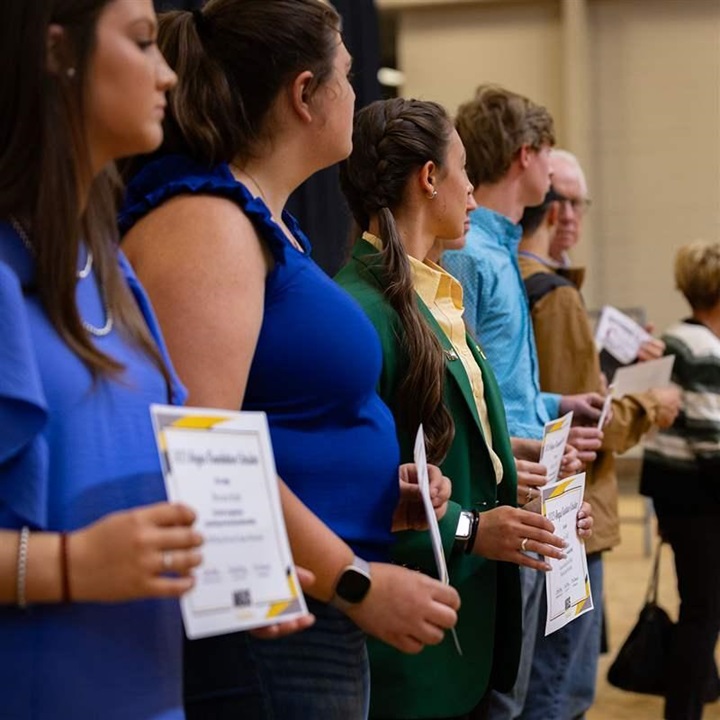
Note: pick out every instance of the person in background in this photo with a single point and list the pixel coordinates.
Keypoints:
(92, 557)
(564, 667)
(681, 473)
(406, 185)
(508, 140)
(252, 322)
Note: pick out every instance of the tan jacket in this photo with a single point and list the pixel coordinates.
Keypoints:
(569, 365)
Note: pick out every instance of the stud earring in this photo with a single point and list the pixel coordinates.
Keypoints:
(70, 72)
(432, 195)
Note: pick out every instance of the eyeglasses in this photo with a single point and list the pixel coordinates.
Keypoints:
(579, 205)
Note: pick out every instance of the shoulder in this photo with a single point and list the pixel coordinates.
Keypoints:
(199, 231)
(542, 284)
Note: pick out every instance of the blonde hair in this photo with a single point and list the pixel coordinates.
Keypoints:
(697, 273)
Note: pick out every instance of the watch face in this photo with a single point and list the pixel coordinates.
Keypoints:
(464, 527)
(353, 585)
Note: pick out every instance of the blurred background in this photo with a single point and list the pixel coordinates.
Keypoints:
(633, 85)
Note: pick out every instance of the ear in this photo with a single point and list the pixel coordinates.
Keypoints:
(553, 214)
(524, 156)
(299, 96)
(56, 51)
(427, 177)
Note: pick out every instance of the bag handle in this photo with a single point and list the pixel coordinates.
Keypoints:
(652, 591)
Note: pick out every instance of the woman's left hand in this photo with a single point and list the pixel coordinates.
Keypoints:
(584, 521)
(410, 511)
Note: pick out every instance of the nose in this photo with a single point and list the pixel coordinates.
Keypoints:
(470, 205)
(166, 77)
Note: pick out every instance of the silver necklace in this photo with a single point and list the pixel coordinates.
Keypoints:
(81, 275)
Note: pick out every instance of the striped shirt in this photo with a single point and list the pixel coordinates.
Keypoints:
(689, 451)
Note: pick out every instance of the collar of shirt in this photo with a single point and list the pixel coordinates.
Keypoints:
(432, 282)
(499, 227)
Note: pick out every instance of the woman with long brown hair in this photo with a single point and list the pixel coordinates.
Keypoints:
(88, 618)
(407, 188)
(263, 101)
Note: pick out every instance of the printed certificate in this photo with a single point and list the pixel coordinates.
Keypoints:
(643, 376)
(567, 584)
(220, 463)
(555, 436)
(619, 334)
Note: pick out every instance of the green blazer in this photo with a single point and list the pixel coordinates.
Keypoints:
(438, 682)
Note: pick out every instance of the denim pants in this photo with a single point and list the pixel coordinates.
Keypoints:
(564, 668)
(508, 706)
(322, 672)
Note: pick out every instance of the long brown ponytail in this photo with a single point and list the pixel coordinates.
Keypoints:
(391, 140)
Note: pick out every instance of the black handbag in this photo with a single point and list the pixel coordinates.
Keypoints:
(641, 663)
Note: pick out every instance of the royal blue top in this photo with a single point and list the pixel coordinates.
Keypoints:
(497, 313)
(315, 370)
(73, 450)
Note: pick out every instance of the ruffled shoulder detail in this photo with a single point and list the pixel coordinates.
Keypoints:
(172, 175)
(23, 407)
(178, 393)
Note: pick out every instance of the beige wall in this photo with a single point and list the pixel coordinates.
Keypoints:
(651, 125)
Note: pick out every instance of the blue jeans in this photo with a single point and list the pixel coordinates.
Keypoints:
(322, 672)
(564, 669)
(508, 706)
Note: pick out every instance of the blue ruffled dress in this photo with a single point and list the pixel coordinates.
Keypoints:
(72, 451)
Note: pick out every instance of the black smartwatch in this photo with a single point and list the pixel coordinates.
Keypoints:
(352, 585)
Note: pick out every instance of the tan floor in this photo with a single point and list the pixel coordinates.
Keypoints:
(626, 575)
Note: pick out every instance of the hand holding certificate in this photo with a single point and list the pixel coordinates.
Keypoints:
(220, 463)
(620, 335)
(567, 583)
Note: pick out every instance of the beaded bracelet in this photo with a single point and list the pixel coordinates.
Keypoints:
(22, 566)
(64, 569)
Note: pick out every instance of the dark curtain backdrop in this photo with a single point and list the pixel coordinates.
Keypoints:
(318, 204)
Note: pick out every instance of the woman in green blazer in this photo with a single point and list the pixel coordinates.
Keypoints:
(407, 188)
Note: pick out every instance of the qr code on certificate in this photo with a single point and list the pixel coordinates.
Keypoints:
(241, 598)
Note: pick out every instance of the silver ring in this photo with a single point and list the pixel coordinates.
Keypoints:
(529, 495)
(167, 560)
(523, 545)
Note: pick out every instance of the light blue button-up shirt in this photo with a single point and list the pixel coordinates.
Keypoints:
(497, 313)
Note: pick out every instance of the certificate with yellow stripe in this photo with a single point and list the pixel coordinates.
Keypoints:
(567, 584)
(220, 463)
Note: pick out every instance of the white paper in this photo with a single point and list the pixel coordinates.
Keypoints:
(643, 376)
(619, 334)
(420, 458)
(567, 583)
(606, 406)
(220, 464)
(555, 436)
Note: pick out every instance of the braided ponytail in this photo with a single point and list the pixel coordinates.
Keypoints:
(392, 139)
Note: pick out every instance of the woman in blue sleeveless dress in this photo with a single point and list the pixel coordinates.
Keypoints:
(89, 624)
(252, 322)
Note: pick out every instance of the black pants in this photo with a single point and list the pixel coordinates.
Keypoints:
(695, 540)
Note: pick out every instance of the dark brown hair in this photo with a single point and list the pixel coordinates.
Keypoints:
(494, 125)
(391, 140)
(232, 58)
(45, 167)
